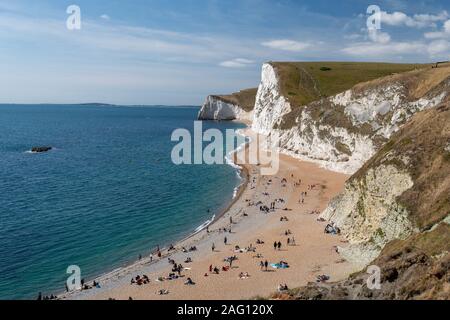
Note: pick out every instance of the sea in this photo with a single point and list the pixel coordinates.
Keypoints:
(105, 194)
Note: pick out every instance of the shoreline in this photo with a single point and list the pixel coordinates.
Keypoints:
(244, 174)
(248, 225)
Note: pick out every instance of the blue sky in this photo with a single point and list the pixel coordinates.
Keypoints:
(177, 52)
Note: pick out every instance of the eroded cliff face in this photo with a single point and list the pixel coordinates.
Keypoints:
(217, 109)
(411, 269)
(395, 214)
(343, 131)
(403, 190)
(368, 213)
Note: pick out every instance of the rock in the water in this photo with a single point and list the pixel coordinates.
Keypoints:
(41, 149)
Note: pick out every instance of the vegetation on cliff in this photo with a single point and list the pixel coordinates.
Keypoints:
(416, 267)
(305, 82)
(244, 98)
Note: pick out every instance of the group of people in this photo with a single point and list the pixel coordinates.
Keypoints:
(191, 249)
(230, 260)
(51, 297)
(322, 278)
(298, 183)
(291, 241)
(283, 288)
(277, 245)
(303, 195)
(332, 228)
(264, 265)
(178, 269)
(140, 280)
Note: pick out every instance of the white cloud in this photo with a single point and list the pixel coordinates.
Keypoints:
(105, 17)
(353, 36)
(427, 18)
(133, 41)
(417, 21)
(379, 36)
(236, 63)
(287, 45)
(445, 33)
(379, 50)
(439, 47)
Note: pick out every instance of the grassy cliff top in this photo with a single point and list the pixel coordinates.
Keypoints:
(244, 98)
(305, 82)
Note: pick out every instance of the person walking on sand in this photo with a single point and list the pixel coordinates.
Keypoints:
(275, 245)
(266, 264)
(279, 245)
(261, 264)
(213, 247)
(225, 241)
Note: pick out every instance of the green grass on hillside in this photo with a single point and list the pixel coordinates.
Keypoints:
(244, 98)
(305, 82)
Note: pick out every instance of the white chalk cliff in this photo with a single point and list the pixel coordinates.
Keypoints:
(341, 132)
(216, 108)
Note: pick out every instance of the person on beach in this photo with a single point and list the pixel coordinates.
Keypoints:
(279, 245)
(213, 247)
(275, 245)
(266, 265)
(261, 265)
(225, 241)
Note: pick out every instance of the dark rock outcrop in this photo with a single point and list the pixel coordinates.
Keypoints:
(41, 149)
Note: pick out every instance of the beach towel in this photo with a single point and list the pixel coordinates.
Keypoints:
(279, 266)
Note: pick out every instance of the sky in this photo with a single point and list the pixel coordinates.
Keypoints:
(153, 52)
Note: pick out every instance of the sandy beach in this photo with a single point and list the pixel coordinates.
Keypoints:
(312, 254)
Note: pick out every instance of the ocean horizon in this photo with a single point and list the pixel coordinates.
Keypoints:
(106, 193)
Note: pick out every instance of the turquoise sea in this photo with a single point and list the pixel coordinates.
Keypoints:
(105, 194)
